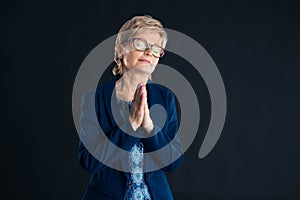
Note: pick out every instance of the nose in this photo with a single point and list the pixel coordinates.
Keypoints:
(148, 51)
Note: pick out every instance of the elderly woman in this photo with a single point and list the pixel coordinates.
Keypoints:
(139, 46)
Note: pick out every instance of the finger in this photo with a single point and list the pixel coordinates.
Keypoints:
(142, 94)
(146, 111)
(142, 101)
(144, 90)
(137, 94)
(146, 115)
(139, 109)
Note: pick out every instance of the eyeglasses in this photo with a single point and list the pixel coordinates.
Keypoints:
(141, 44)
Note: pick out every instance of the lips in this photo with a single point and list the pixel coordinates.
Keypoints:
(145, 60)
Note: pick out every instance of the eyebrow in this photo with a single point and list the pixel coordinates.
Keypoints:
(153, 43)
(156, 44)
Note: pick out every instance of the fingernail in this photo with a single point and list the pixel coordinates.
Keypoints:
(140, 84)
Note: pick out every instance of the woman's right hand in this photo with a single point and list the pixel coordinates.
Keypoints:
(137, 109)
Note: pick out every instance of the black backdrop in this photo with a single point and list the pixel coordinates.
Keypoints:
(255, 45)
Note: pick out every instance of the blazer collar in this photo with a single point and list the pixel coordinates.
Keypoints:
(110, 94)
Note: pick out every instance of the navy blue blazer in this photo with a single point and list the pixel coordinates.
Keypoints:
(108, 183)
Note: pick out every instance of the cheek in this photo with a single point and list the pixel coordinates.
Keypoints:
(131, 58)
(128, 60)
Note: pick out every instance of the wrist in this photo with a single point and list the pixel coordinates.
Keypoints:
(134, 125)
(149, 127)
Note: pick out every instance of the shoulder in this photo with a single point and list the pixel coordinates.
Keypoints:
(106, 87)
(160, 94)
(97, 94)
(156, 88)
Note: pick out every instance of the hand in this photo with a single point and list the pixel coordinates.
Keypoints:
(139, 113)
(147, 123)
(137, 109)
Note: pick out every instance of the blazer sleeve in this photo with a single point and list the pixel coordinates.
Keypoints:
(96, 145)
(167, 135)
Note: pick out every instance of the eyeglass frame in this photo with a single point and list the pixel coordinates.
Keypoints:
(149, 46)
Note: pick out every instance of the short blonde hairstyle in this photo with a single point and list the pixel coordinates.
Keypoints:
(131, 28)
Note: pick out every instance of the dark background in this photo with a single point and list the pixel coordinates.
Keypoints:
(255, 45)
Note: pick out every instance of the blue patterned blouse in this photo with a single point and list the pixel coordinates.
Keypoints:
(136, 188)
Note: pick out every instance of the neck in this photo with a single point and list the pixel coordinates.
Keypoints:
(127, 84)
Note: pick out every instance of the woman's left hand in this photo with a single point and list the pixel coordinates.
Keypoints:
(147, 123)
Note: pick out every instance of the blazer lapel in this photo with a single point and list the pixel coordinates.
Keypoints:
(149, 93)
(109, 95)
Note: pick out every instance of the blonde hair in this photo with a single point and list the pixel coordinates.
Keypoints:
(131, 28)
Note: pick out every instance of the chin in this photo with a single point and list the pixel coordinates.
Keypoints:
(146, 68)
